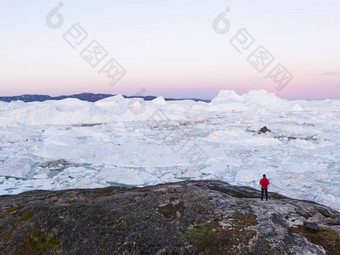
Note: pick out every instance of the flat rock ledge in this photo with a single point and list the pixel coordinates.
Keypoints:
(190, 217)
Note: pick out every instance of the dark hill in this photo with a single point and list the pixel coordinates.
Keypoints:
(193, 217)
(90, 97)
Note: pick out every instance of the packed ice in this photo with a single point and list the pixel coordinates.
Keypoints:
(70, 143)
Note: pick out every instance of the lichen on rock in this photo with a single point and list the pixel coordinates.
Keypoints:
(190, 217)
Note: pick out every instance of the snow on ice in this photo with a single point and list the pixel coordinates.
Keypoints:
(132, 142)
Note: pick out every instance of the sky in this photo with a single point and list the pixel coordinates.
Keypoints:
(171, 48)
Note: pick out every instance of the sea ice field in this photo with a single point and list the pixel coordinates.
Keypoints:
(69, 144)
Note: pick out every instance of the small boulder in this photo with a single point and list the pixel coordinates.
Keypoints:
(311, 227)
(60, 164)
(264, 130)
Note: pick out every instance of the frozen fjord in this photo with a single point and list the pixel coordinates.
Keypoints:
(117, 141)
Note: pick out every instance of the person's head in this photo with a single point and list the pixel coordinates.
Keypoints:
(264, 175)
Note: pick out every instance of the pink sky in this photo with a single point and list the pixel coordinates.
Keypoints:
(170, 48)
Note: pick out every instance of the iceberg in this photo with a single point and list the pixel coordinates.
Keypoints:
(126, 141)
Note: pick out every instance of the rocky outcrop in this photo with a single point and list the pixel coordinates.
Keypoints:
(264, 130)
(60, 164)
(193, 217)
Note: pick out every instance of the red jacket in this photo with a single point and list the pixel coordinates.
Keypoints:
(264, 183)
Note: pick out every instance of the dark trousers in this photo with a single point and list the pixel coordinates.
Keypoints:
(262, 190)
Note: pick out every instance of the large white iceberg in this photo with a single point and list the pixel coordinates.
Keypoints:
(118, 141)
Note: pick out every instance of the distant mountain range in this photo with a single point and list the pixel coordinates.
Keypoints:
(90, 97)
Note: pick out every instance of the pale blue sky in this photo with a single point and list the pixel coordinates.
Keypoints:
(169, 47)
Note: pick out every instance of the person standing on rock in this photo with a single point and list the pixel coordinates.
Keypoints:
(264, 186)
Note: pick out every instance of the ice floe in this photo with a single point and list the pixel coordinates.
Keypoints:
(131, 142)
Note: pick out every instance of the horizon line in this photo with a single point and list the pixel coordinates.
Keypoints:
(165, 97)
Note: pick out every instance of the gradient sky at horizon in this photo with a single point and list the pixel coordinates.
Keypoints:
(169, 48)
